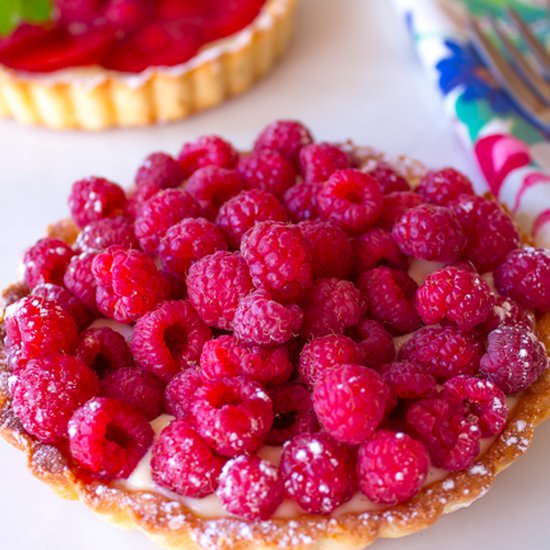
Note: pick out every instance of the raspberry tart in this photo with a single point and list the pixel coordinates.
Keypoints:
(102, 63)
(304, 346)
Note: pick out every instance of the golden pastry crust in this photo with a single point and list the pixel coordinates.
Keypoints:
(105, 99)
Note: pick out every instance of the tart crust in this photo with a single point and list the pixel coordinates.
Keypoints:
(95, 99)
(170, 524)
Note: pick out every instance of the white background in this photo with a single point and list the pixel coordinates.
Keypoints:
(351, 73)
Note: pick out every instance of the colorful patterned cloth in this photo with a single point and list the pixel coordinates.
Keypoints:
(513, 155)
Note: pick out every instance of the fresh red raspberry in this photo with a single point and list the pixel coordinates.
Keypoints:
(48, 391)
(71, 304)
(108, 438)
(158, 171)
(374, 248)
(233, 415)
(524, 276)
(430, 232)
(444, 352)
(180, 391)
(287, 137)
(103, 350)
(94, 198)
(443, 186)
(318, 472)
(188, 241)
(242, 211)
(215, 285)
(350, 402)
(490, 232)
(479, 398)
(279, 260)
(267, 170)
(128, 284)
(263, 321)
(408, 380)
(301, 201)
(455, 294)
(207, 151)
(36, 327)
(46, 262)
(319, 161)
(169, 338)
(453, 440)
(351, 199)
(322, 354)
(225, 356)
(331, 253)
(514, 359)
(390, 294)
(136, 388)
(375, 342)
(395, 205)
(250, 488)
(390, 180)
(391, 467)
(331, 306)
(161, 212)
(107, 232)
(293, 413)
(80, 280)
(183, 463)
(507, 312)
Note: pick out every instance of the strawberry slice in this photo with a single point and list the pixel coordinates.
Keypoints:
(230, 16)
(24, 37)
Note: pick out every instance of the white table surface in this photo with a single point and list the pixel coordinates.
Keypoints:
(351, 72)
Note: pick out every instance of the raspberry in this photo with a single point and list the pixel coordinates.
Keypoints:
(479, 398)
(46, 262)
(94, 198)
(103, 350)
(301, 201)
(233, 415)
(391, 467)
(524, 276)
(105, 233)
(374, 248)
(80, 280)
(390, 294)
(260, 320)
(390, 180)
(189, 241)
(128, 284)
(395, 205)
(287, 137)
(322, 354)
(318, 472)
(108, 438)
(514, 359)
(408, 380)
(319, 161)
(350, 401)
(455, 294)
(293, 413)
(159, 213)
(158, 171)
(244, 210)
(78, 11)
(331, 254)
(444, 352)
(330, 307)
(48, 391)
(453, 440)
(443, 186)
(169, 338)
(136, 388)
(279, 260)
(267, 170)
(375, 342)
(180, 391)
(490, 232)
(351, 199)
(507, 312)
(207, 151)
(430, 232)
(226, 356)
(36, 327)
(250, 488)
(215, 285)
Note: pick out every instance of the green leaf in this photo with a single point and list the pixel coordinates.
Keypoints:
(13, 12)
(36, 11)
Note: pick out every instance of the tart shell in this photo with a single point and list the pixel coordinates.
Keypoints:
(96, 99)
